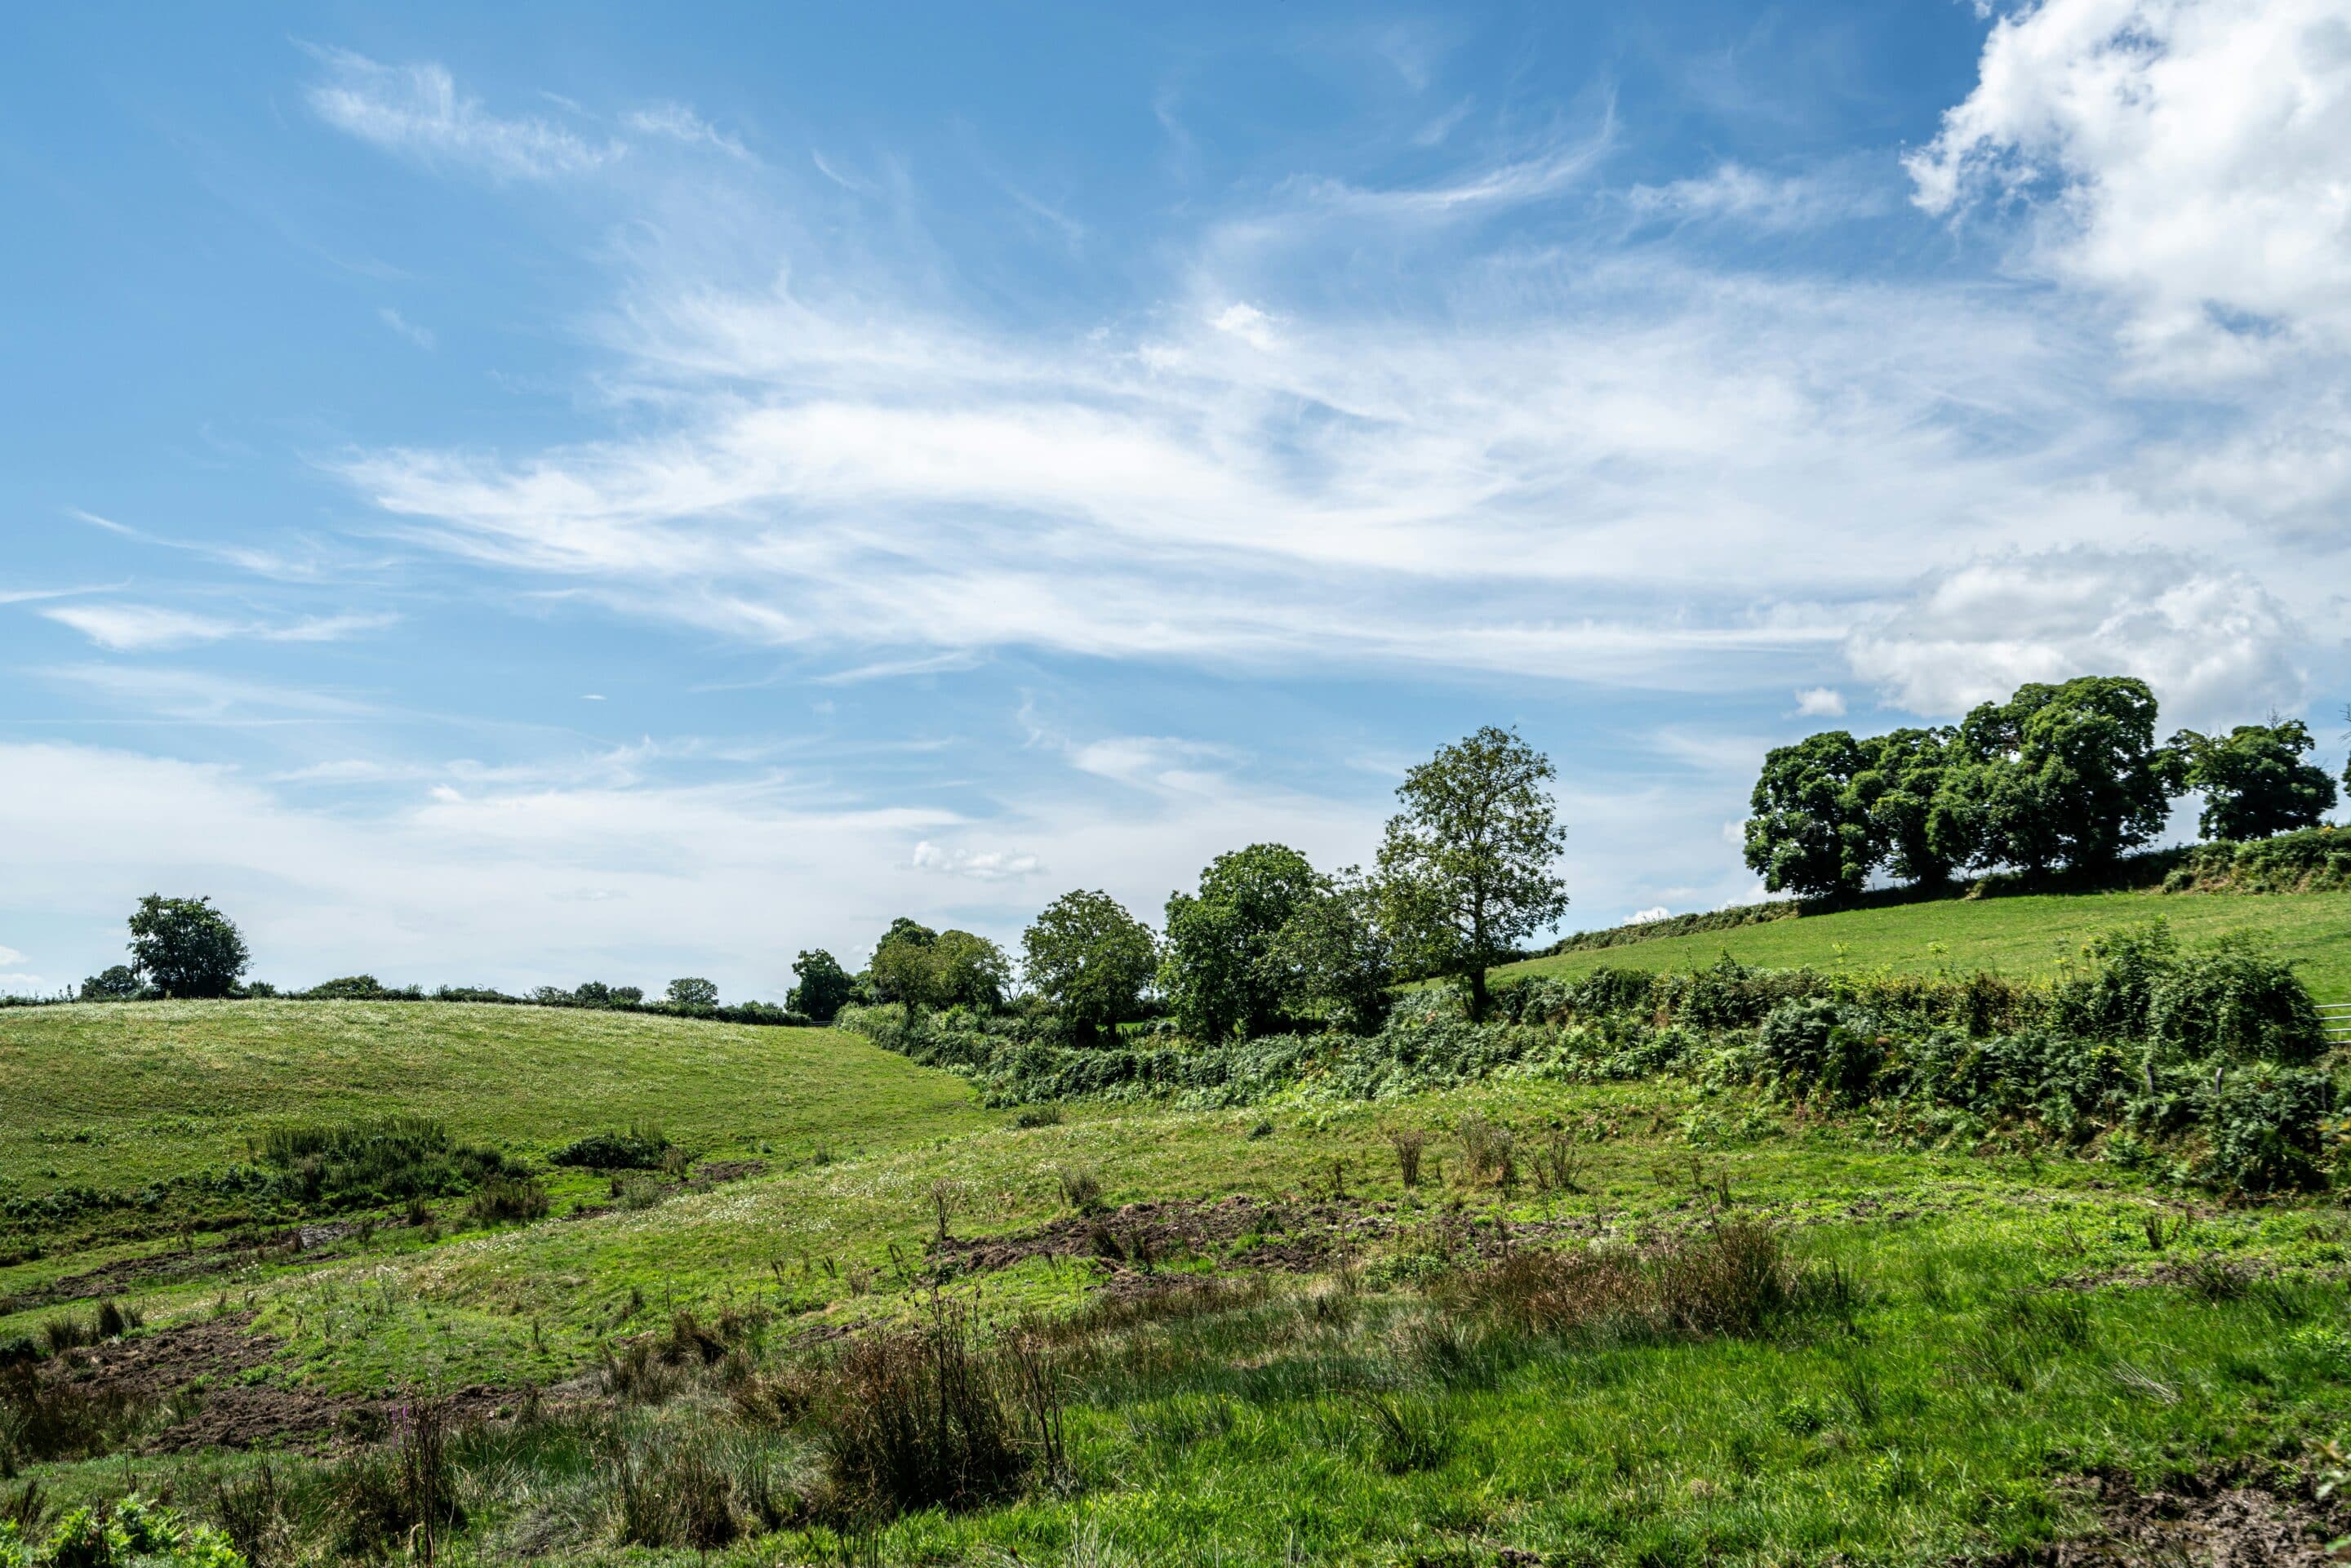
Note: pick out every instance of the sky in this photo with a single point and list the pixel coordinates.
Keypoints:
(529, 494)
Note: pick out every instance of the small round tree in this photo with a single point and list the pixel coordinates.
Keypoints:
(1091, 959)
(694, 993)
(185, 948)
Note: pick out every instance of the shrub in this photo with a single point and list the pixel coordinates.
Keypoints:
(1038, 1116)
(2238, 1002)
(916, 1420)
(361, 987)
(642, 1148)
(504, 1200)
(2263, 1129)
(1821, 1044)
(47, 1419)
(362, 1163)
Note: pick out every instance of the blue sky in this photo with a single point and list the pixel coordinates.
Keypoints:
(555, 492)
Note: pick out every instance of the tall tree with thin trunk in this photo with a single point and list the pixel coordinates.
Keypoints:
(1465, 871)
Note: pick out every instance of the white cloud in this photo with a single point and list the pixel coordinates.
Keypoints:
(1821, 702)
(2215, 645)
(138, 628)
(2191, 157)
(417, 110)
(676, 122)
(979, 866)
(420, 335)
(1766, 201)
(10, 956)
(1643, 916)
(569, 876)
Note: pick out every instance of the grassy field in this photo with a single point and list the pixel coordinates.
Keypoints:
(120, 1094)
(1270, 1348)
(2017, 936)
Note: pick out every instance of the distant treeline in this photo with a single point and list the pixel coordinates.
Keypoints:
(2313, 860)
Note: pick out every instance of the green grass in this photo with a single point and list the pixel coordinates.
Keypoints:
(2021, 936)
(1942, 1418)
(120, 1094)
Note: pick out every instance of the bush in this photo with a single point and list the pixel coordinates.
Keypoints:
(917, 1421)
(642, 1148)
(1819, 1044)
(359, 1165)
(503, 1200)
(2238, 1002)
(2263, 1129)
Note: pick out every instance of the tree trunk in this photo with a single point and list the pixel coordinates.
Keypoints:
(1478, 993)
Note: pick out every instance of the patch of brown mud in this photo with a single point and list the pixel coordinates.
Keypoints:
(156, 1269)
(231, 1413)
(1243, 1231)
(2217, 1525)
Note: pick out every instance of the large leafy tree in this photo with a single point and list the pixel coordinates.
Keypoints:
(1222, 972)
(925, 968)
(2255, 780)
(1811, 832)
(1467, 869)
(1898, 787)
(185, 948)
(824, 986)
(1091, 959)
(2060, 775)
(968, 970)
(1339, 958)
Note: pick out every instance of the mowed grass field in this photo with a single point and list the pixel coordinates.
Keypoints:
(2026, 936)
(119, 1094)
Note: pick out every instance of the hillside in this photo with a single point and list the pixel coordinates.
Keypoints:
(1756, 1332)
(2017, 934)
(118, 1094)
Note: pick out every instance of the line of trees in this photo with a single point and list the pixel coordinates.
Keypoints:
(1265, 942)
(2068, 776)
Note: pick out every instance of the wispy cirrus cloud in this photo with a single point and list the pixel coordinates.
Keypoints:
(140, 628)
(416, 111)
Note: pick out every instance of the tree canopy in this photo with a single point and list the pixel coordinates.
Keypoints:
(1223, 971)
(1091, 959)
(2255, 780)
(185, 948)
(824, 986)
(1466, 871)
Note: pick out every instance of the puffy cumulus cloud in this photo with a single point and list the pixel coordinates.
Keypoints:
(1821, 702)
(2214, 644)
(1643, 916)
(2193, 157)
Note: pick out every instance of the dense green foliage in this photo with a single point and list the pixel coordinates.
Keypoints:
(2255, 780)
(2058, 776)
(824, 986)
(1223, 973)
(185, 948)
(1466, 870)
(925, 968)
(1086, 956)
(2168, 1049)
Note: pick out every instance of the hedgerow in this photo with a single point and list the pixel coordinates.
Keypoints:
(2205, 1060)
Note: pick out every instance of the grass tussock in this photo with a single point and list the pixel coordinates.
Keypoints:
(1735, 1278)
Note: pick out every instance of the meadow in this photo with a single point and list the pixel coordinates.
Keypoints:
(2025, 934)
(1654, 1320)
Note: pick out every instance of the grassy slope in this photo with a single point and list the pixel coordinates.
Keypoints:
(2018, 936)
(119, 1094)
(1920, 1431)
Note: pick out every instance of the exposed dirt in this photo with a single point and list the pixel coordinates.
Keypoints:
(2213, 1525)
(172, 1268)
(1242, 1231)
(230, 1413)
